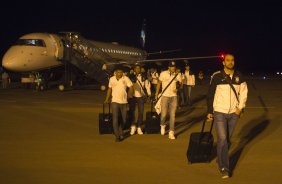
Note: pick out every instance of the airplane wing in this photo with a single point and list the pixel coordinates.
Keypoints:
(163, 52)
(177, 59)
(160, 60)
(133, 62)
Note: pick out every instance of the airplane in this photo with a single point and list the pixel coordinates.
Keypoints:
(72, 55)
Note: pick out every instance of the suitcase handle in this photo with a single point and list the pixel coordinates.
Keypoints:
(152, 106)
(203, 127)
(104, 108)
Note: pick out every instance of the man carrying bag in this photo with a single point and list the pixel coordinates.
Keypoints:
(225, 105)
(168, 101)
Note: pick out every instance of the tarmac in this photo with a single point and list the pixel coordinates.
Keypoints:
(52, 137)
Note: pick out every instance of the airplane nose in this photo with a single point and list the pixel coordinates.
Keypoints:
(8, 62)
(12, 61)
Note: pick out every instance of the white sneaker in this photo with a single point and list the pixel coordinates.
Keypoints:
(139, 131)
(162, 129)
(171, 135)
(133, 129)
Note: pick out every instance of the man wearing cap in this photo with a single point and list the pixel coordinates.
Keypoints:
(142, 90)
(153, 77)
(118, 85)
(169, 97)
(188, 84)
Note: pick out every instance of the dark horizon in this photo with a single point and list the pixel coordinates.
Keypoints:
(252, 33)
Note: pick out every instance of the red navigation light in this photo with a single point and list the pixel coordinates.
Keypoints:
(222, 56)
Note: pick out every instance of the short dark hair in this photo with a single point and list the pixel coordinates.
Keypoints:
(119, 68)
(229, 53)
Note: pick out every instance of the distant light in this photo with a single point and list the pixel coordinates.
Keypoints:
(252, 73)
(277, 73)
(104, 67)
(61, 87)
(264, 77)
(281, 73)
(103, 88)
(222, 56)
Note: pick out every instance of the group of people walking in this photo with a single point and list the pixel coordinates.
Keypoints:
(170, 88)
(137, 86)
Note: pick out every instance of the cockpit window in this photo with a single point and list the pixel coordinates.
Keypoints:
(31, 42)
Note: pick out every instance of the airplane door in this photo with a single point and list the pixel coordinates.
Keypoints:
(57, 46)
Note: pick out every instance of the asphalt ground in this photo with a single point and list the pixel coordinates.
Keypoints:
(52, 137)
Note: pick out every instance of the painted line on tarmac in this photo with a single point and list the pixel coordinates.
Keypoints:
(80, 103)
(44, 102)
(87, 103)
(8, 101)
(268, 107)
(249, 107)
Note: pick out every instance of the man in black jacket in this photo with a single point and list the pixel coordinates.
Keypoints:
(224, 107)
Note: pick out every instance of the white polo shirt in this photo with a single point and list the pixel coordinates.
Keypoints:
(189, 79)
(155, 77)
(119, 94)
(138, 90)
(165, 78)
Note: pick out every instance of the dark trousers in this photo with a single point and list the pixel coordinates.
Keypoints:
(180, 97)
(153, 89)
(118, 126)
(140, 106)
(187, 94)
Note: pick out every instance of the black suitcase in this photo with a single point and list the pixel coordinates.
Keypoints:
(200, 146)
(106, 121)
(152, 123)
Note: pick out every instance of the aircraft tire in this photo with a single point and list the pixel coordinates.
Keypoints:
(61, 87)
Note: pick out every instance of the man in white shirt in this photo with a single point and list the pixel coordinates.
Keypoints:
(153, 77)
(118, 85)
(188, 84)
(141, 87)
(169, 97)
(5, 80)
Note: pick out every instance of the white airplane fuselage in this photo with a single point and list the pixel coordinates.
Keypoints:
(38, 51)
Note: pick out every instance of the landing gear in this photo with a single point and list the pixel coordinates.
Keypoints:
(103, 88)
(39, 87)
(67, 85)
(40, 82)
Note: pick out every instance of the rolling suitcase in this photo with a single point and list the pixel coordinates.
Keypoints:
(152, 123)
(200, 146)
(106, 121)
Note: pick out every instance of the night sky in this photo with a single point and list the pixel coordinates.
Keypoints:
(253, 32)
